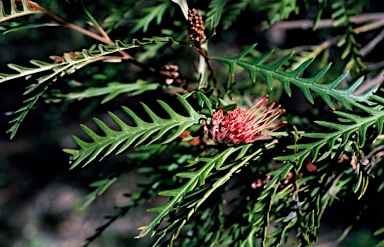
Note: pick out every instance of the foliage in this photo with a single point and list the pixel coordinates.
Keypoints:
(218, 194)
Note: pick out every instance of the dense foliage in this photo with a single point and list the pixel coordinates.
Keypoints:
(236, 168)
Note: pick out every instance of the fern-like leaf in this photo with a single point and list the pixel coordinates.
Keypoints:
(15, 13)
(214, 15)
(358, 128)
(129, 134)
(306, 85)
(69, 66)
(221, 7)
(194, 178)
(343, 12)
(234, 12)
(111, 90)
(100, 187)
(280, 10)
(234, 167)
(151, 13)
(23, 111)
(136, 200)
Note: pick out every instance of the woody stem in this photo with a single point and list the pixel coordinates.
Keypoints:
(104, 39)
(206, 58)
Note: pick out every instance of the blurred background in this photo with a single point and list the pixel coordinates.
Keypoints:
(40, 196)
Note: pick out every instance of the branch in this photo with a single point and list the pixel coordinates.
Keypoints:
(375, 65)
(377, 80)
(104, 38)
(370, 26)
(326, 23)
(372, 44)
(206, 58)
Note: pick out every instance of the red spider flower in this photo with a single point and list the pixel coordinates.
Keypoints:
(244, 126)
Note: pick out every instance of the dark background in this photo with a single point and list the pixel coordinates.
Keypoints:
(39, 195)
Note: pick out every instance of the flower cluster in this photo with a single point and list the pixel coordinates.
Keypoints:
(244, 126)
(171, 72)
(195, 26)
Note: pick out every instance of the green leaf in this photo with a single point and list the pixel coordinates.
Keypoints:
(279, 10)
(15, 13)
(357, 126)
(28, 26)
(235, 10)
(178, 194)
(23, 111)
(214, 15)
(379, 231)
(111, 90)
(306, 85)
(344, 234)
(67, 67)
(278, 174)
(70, 65)
(91, 18)
(194, 178)
(101, 187)
(128, 135)
(151, 13)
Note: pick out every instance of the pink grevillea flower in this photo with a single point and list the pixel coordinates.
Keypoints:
(244, 126)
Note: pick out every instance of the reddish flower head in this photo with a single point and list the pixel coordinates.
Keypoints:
(244, 126)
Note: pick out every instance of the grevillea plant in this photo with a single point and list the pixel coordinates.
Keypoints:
(250, 146)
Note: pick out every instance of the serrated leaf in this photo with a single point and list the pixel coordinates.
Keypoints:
(214, 15)
(151, 13)
(128, 135)
(358, 125)
(111, 90)
(101, 187)
(15, 13)
(70, 65)
(306, 85)
(180, 192)
(189, 187)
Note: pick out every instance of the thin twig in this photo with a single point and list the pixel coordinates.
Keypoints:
(103, 37)
(206, 58)
(301, 24)
(369, 27)
(372, 44)
(375, 150)
(58, 20)
(366, 17)
(375, 65)
(99, 30)
(377, 80)
(325, 23)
